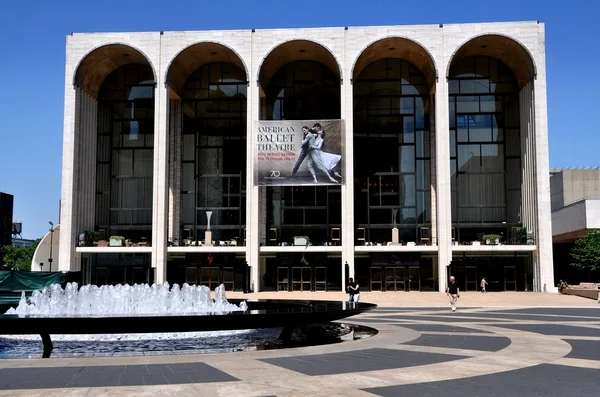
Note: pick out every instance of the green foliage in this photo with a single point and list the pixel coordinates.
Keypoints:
(491, 237)
(90, 236)
(19, 257)
(521, 236)
(586, 252)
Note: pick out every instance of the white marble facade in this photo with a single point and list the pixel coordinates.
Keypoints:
(90, 57)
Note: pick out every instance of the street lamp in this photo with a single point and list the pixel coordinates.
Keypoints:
(51, 234)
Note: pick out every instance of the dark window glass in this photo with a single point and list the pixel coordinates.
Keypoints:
(125, 153)
(392, 147)
(213, 150)
(483, 180)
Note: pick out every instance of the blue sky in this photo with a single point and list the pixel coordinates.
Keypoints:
(32, 55)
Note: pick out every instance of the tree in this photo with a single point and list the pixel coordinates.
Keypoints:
(586, 252)
(19, 257)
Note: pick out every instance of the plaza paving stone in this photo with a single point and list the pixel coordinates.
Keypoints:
(485, 349)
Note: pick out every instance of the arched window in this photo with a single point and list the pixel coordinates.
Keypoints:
(213, 152)
(303, 90)
(124, 168)
(485, 147)
(391, 150)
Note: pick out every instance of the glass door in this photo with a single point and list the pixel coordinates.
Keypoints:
(191, 275)
(139, 275)
(283, 282)
(101, 276)
(376, 282)
(228, 278)
(205, 276)
(400, 278)
(214, 278)
(471, 278)
(296, 279)
(390, 279)
(414, 278)
(510, 278)
(320, 279)
(306, 279)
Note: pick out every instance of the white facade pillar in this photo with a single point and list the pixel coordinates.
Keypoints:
(442, 177)
(160, 181)
(347, 114)
(542, 173)
(253, 220)
(174, 149)
(70, 159)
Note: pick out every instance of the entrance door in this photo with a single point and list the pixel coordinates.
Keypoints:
(390, 279)
(320, 279)
(471, 278)
(283, 282)
(414, 278)
(228, 278)
(400, 278)
(301, 278)
(394, 279)
(209, 276)
(306, 279)
(296, 279)
(191, 275)
(139, 275)
(510, 278)
(376, 282)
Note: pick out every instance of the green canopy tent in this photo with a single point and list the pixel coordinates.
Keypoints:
(14, 282)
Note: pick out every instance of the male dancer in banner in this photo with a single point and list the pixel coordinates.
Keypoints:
(304, 149)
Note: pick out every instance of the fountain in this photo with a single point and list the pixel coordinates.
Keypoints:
(158, 309)
(128, 300)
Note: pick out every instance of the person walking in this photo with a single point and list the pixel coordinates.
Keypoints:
(483, 284)
(353, 290)
(453, 292)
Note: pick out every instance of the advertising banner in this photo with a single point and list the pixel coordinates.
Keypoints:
(299, 152)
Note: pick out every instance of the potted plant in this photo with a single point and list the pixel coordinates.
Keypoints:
(117, 241)
(492, 239)
(90, 237)
(302, 240)
(521, 236)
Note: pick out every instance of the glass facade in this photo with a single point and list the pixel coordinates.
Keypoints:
(213, 153)
(124, 162)
(392, 155)
(302, 90)
(485, 149)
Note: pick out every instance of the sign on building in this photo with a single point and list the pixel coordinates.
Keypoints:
(299, 152)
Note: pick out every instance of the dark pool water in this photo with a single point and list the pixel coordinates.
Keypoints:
(221, 342)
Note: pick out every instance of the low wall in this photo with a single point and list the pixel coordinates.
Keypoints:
(583, 292)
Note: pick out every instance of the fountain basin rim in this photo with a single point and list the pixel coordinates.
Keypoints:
(265, 314)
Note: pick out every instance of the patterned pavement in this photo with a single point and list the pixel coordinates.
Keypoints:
(421, 351)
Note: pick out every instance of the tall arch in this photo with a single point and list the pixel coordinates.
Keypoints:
(493, 152)
(197, 55)
(296, 50)
(400, 48)
(100, 62)
(506, 49)
(393, 82)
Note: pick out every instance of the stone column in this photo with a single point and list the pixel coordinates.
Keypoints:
(68, 232)
(253, 220)
(160, 182)
(543, 214)
(175, 170)
(442, 177)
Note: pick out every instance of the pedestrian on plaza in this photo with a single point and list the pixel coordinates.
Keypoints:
(483, 284)
(353, 290)
(453, 292)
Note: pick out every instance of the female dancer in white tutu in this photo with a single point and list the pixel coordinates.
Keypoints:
(330, 160)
